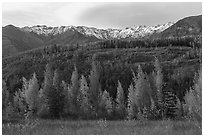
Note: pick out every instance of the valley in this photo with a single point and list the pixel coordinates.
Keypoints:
(141, 77)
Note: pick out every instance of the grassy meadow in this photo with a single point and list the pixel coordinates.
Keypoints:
(101, 127)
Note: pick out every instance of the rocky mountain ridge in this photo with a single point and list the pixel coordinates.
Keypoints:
(129, 32)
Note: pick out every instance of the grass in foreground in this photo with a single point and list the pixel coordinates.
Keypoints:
(101, 127)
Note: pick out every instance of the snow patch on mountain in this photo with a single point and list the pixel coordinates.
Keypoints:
(129, 32)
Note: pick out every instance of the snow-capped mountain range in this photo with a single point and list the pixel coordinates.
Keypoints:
(16, 40)
(129, 32)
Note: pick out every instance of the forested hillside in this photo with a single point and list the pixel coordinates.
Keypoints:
(188, 26)
(109, 75)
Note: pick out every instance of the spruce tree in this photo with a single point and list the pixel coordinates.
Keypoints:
(32, 94)
(19, 102)
(131, 106)
(5, 95)
(68, 105)
(58, 98)
(43, 110)
(138, 88)
(159, 84)
(25, 85)
(106, 104)
(56, 78)
(84, 96)
(65, 93)
(74, 91)
(6, 104)
(120, 101)
(94, 88)
(193, 98)
(46, 93)
(52, 93)
(48, 78)
(153, 109)
(142, 91)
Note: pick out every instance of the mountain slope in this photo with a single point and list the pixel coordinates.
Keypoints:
(14, 40)
(185, 27)
(70, 37)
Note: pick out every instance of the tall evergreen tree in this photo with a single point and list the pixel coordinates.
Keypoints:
(142, 91)
(159, 84)
(120, 100)
(5, 95)
(58, 99)
(131, 106)
(84, 96)
(7, 108)
(56, 78)
(65, 93)
(32, 94)
(138, 87)
(193, 98)
(106, 104)
(68, 100)
(94, 88)
(46, 92)
(52, 93)
(48, 77)
(19, 102)
(74, 91)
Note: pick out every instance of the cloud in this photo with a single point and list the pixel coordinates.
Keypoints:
(101, 15)
(129, 14)
(22, 14)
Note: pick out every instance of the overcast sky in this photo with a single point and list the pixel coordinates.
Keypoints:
(100, 15)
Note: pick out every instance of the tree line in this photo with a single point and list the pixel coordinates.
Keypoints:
(193, 42)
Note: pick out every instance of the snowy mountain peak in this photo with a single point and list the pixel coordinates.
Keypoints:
(129, 32)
